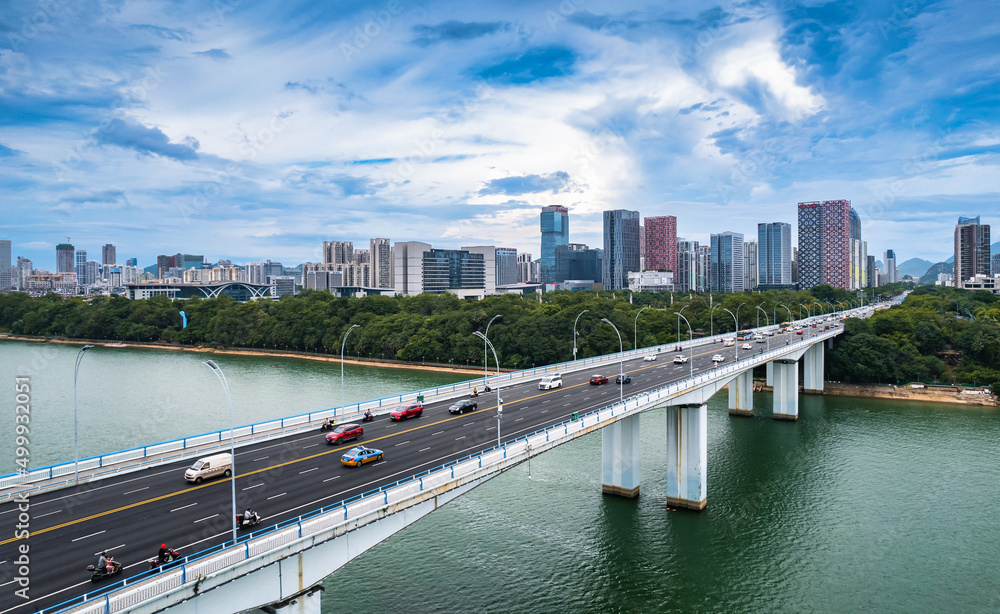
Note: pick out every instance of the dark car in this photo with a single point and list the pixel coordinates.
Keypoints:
(623, 379)
(463, 406)
(597, 380)
(344, 432)
(413, 410)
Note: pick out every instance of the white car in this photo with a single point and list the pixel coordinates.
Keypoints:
(746, 346)
(550, 381)
(717, 358)
(649, 358)
(760, 340)
(680, 359)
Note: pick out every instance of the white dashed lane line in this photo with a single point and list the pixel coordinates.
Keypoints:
(183, 507)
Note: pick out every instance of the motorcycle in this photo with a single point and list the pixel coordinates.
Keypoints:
(368, 418)
(245, 522)
(172, 555)
(99, 573)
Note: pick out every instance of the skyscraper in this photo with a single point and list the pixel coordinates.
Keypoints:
(506, 258)
(871, 277)
(996, 264)
(621, 247)
(859, 253)
(972, 249)
(525, 269)
(108, 255)
(5, 279)
(684, 276)
(64, 258)
(774, 254)
(81, 268)
(727, 262)
(750, 265)
(661, 243)
(889, 265)
(555, 232)
(381, 256)
(825, 244)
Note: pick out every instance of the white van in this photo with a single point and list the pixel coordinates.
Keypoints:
(550, 381)
(728, 342)
(210, 467)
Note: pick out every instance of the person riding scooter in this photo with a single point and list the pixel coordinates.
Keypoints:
(105, 562)
(475, 393)
(368, 417)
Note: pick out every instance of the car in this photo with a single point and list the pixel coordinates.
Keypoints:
(550, 381)
(463, 406)
(746, 346)
(718, 358)
(761, 340)
(680, 359)
(623, 379)
(728, 342)
(649, 358)
(355, 457)
(597, 380)
(413, 410)
(343, 432)
(798, 332)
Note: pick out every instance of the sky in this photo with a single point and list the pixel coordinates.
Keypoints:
(249, 130)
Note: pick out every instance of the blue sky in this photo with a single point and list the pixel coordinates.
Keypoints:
(253, 130)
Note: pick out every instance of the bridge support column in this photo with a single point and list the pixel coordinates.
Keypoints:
(741, 394)
(770, 373)
(620, 450)
(813, 369)
(304, 602)
(786, 390)
(687, 456)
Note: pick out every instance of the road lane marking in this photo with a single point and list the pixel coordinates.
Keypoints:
(206, 518)
(468, 424)
(423, 450)
(437, 433)
(312, 446)
(276, 496)
(462, 437)
(308, 470)
(333, 478)
(49, 514)
(254, 486)
(184, 506)
(261, 458)
(544, 411)
(91, 535)
(519, 419)
(130, 492)
(401, 444)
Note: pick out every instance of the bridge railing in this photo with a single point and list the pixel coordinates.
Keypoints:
(150, 584)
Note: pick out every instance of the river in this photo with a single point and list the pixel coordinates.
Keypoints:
(862, 504)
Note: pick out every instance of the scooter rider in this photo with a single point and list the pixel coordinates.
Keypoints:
(106, 563)
(165, 553)
(368, 415)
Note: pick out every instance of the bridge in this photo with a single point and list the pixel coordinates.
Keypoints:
(320, 514)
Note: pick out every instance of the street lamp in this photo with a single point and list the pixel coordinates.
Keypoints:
(635, 330)
(766, 325)
(621, 360)
(232, 446)
(737, 347)
(486, 359)
(342, 344)
(499, 400)
(711, 321)
(76, 442)
(679, 324)
(574, 331)
(808, 311)
(690, 347)
(738, 318)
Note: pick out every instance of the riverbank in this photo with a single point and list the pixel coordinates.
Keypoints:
(939, 394)
(368, 362)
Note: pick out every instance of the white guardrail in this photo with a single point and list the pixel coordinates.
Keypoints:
(332, 521)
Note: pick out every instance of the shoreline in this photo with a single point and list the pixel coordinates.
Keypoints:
(951, 395)
(370, 362)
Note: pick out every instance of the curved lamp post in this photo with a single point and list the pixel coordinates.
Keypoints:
(711, 321)
(621, 360)
(679, 324)
(499, 400)
(232, 446)
(635, 329)
(690, 347)
(766, 325)
(486, 358)
(342, 344)
(735, 345)
(574, 331)
(76, 440)
(738, 318)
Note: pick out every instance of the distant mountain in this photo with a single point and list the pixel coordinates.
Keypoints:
(914, 267)
(930, 277)
(994, 250)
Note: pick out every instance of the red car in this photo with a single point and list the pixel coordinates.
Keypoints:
(413, 410)
(597, 380)
(798, 332)
(343, 432)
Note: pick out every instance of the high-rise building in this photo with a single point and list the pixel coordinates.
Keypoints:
(64, 258)
(972, 249)
(164, 264)
(381, 261)
(824, 255)
(420, 268)
(577, 262)
(727, 262)
(660, 243)
(859, 253)
(6, 282)
(506, 258)
(555, 232)
(685, 277)
(131, 262)
(525, 270)
(996, 264)
(750, 265)
(621, 247)
(338, 252)
(108, 255)
(871, 277)
(24, 269)
(81, 268)
(774, 254)
(93, 272)
(489, 254)
(889, 266)
(703, 268)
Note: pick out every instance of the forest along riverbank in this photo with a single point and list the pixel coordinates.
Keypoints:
(372, 362)
(935, 394)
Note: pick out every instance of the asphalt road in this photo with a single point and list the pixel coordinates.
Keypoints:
(131, 515)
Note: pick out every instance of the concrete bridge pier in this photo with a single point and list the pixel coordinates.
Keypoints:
(741, 394)
(813, 363)
(770, 373)
(620, 454)
(786, 390)
(687, 456)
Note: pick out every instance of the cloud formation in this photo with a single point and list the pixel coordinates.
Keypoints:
(145, 140)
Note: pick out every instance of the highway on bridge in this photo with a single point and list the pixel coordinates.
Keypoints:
(131, 515)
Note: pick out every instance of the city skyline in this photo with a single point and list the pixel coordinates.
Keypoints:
(247, 131)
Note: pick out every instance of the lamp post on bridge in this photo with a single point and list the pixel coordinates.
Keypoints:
(737, 333)
(76, 440)
(711, 321)
(621, 361)
(735, 345)
(574, 331)
(679, 316)
(691, 346)
(767, 339)
(342, 344)
(635, 329)
(486, 376)
(232, 445)
(499, 400)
